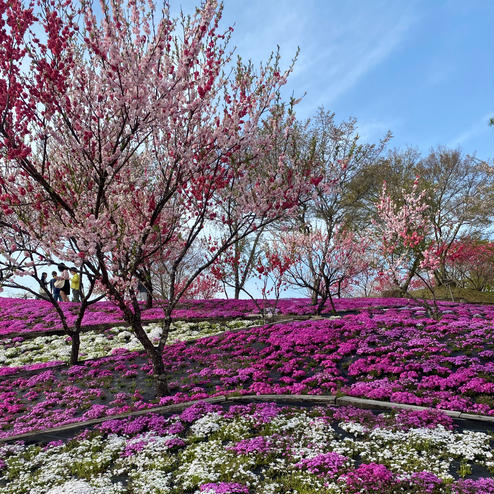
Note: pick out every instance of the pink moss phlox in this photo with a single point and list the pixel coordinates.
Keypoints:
(470, 486)
(369, 478)
(323, 465)
(224, 488)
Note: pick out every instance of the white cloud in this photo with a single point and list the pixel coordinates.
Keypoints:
(373, 130)
(340, 42)
(356, 56)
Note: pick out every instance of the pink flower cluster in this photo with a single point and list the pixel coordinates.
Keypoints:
(38, 316)
(324, 465)
(225, 488)
(258, 445)
(370, 478)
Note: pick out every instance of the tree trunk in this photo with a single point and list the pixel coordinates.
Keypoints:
(75, 334)
(74, 349)
(320, 306)
(149, 298)
(314, 298)
(159, 374)
(154, 353)
(158, 366)
(149, 291)
(411, 274)
(237, 291)
(333, 308)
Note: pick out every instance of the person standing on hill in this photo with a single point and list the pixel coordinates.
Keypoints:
(75, 285)
(142, 293)
(53, 289)
(64, 275)
(43, 286)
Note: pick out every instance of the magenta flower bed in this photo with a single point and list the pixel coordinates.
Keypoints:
(394, 354)
(24, 316)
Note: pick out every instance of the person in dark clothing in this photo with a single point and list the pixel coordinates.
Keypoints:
(64, 275)
(53, 289)
(43, 286)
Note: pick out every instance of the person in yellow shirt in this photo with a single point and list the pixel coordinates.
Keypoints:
(75, 285)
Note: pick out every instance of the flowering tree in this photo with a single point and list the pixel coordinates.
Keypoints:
(459, 193)
(405, 242)
(339, 160)
(205, 286)
(469, 264)
(461, 189)
(270, 268)
(240, 263)
(325, 263)
(22, 258)
(120, 127)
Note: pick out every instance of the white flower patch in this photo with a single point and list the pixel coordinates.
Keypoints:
(72, 487)
(151, 453)
(353, 428)
(418, 448)
(278, 467)
(11, 448)
(309, 436)
(100, 344)
(56, 466)
(471, 445)
(209, 423)
(152, 482)
(237, 429)
(82, 487)
(271, 488)
(206, 462)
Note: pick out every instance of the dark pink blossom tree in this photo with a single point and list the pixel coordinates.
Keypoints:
(469, 264)
(118, 127)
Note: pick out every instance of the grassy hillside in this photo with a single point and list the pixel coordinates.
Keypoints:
(459, 295)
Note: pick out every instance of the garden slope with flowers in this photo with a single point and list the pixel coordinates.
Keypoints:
(394, 354)
(53, 350)
(258, 449)
(19, 316)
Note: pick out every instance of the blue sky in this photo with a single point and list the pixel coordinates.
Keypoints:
(423, 69)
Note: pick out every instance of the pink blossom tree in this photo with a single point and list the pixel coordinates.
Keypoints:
(341, 162)
(120, 126)
(270, 268)
(272, 271)
(325, 263)
(239, 264)
(22, 258)
(405, 242)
